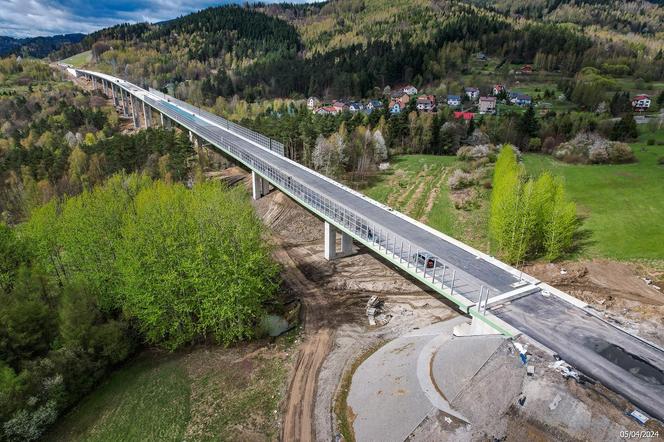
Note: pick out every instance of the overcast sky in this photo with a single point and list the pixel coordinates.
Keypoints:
(30, 18)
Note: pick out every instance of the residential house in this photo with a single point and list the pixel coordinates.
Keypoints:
(512, 96)
(526, 69)
(326, 110)
(497, 89)
(409, 89)
(523, 100)
(355, 107)
(396, 106)
(453, 100)
(473, 93)
(374, 104)
(487, 105)
(340, 106)
(641, 103)
(313, 103)
(464, 115)
(481, 56)
(426, 103)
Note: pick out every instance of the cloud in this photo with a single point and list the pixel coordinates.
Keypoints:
(30, 18)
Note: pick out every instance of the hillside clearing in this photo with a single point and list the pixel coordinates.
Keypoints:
(79, 59)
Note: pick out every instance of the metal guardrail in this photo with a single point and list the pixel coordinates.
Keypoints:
(398, 249)
(266, 142)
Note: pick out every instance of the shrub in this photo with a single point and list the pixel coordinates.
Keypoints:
(660, 160)
(475, 152)
(534, 144)
(460, 180)
(590, 147)
(651, 142)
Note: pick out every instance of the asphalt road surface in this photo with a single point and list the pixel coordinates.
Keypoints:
(620, 361)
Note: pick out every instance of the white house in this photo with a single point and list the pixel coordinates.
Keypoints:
(410, 90)
(487, 105)
(473, 93)
(313, 103)
(641, 103)
(453, 100)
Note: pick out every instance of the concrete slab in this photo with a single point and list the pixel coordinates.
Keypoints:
(386, 395)
(459, 359)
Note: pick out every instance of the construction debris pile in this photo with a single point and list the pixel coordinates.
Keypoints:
(377, 312)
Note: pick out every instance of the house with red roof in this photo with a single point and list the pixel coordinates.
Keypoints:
(464, 115)
(641, 103)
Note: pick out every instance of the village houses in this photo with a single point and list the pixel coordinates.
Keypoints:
(453, 100)
(426, 103)
(473, 93)
(487, 105)
(313, 103)
(641, 103)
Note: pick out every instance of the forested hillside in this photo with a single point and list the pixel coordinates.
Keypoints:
(639, 16)
(36, 46)
(354, 48)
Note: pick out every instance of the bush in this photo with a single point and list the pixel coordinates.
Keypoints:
(651, 142)
(534, 144)
(460, 180)
(660, 160)
(591, 148)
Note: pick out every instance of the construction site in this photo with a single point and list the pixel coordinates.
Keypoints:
(382, 356)
(379, 359)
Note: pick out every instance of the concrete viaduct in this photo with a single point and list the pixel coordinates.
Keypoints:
(498, 297)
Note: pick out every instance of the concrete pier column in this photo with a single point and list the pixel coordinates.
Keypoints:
(256, 185)
(146, 117)
(346, 244)
(330, 241)
(265, 187)
(124, 103)
(134, 112)
(161, 117)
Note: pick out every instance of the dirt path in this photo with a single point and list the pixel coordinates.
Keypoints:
(299, 406)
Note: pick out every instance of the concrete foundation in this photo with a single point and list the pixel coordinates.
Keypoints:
(331, 243)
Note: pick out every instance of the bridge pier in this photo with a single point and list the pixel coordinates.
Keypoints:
(147, 115)
(134, 112)
(331, 243)
(259, 186)
(124, 103)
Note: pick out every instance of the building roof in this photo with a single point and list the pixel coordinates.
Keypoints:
(472, 89)
(642, 97)
(464, 115)
(454, 97)
(488, 99)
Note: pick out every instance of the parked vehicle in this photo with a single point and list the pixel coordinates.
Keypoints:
(425, 258)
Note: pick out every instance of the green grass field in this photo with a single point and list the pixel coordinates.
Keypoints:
(79, 59)
(622, 205)
(205, 394)
(417, 186)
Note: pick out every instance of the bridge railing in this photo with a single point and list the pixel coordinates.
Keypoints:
(398, 249)
(266, 142)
